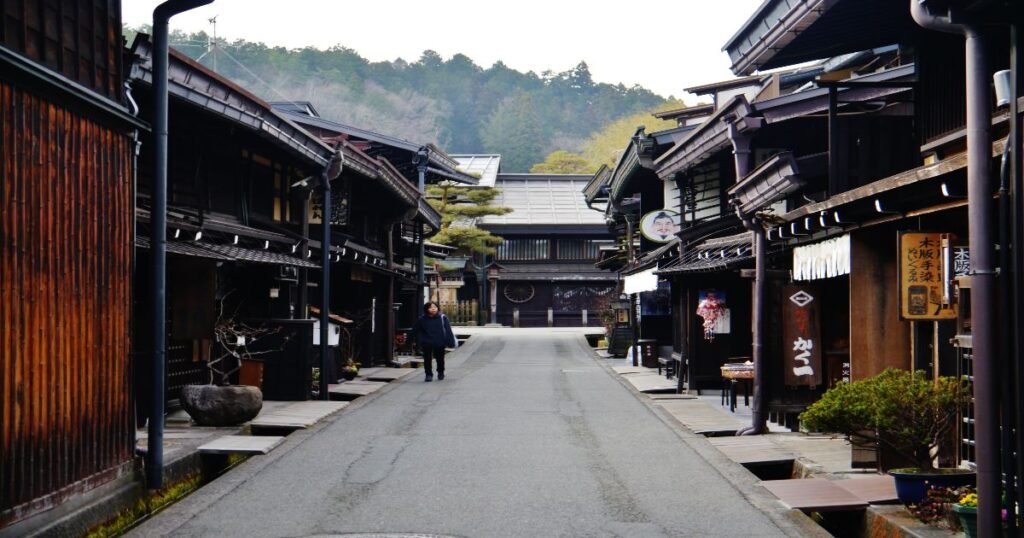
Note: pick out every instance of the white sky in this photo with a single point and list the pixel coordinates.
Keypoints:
(663, 45)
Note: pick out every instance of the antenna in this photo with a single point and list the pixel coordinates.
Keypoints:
(212, 42)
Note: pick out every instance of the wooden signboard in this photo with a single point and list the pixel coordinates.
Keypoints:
(922, 277)
(801, 334)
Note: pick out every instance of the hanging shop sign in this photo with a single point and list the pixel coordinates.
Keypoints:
(801, 336)
(956, 262)
(340, 196)
(924, 272)
(827, 259)
(660, 226)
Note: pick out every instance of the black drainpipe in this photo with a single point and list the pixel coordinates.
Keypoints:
(980, 209)
(330, 171)
(759, 420)
(421, 160)
(158, 241)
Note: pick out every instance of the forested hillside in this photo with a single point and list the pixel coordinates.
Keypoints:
(463, 107)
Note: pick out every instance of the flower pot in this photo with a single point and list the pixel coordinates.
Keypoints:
(968, 519)
(349, 374)
(912, 484)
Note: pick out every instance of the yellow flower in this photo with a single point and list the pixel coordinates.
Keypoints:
(971, 499)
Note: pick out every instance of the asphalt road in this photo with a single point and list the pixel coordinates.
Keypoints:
(529, 435)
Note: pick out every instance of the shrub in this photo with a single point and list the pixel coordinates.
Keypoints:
(904, 411)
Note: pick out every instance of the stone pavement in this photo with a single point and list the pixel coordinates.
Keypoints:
(813, 455)
(528, 436)
(823, 478)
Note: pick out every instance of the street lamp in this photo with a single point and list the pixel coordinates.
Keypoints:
(493, 272)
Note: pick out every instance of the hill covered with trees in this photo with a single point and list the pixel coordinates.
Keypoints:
(463, 107)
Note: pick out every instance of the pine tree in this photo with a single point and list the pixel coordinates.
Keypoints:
(459, 208)
(563, 162)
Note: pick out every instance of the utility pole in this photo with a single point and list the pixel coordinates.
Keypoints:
(211, 43)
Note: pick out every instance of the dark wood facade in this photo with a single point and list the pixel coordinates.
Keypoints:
(545, 271)
(80, 39)
(65, 255)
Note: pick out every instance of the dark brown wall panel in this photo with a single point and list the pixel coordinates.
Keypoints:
(65, 262)
(878, 338)
(80, 39)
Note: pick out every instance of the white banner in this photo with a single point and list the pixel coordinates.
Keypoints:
(822, 260)
(641, 282)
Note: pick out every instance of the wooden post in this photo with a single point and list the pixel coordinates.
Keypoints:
(551, 317)
(584, 317)
(515, 317)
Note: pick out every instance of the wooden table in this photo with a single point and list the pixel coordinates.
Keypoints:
(733, 374)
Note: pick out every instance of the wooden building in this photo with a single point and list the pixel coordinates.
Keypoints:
(385, 225)
(915, 147)
(543, 273)
(66, 146)
(626, 194)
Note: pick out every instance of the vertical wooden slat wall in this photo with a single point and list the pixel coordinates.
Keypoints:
(65, 267)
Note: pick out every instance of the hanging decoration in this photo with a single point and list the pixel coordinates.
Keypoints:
(710, 307)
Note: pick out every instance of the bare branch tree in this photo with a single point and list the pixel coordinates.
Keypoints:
(234, 339)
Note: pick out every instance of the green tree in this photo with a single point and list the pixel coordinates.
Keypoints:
(514, 131)
(453, 103)
(605, 146)
(459, 207)
(563, 162)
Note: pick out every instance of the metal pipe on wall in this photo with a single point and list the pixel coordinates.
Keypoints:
(421, 160)
(331, 170)
(759, 419)
(325, 284)
(980, 208)
(158, 240)
(1017, 214)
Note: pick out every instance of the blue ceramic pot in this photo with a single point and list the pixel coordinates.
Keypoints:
(912, 484)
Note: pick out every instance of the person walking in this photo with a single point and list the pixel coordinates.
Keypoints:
(433, 333)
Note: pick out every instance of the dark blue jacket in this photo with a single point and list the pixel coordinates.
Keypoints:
(433, 331)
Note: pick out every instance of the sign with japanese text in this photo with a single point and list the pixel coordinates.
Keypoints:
(339, 206)
(801, 336)
(922, 277)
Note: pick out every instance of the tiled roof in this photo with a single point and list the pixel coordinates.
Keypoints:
(486, 166)
(543, 199)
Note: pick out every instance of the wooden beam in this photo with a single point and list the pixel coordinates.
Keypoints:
(772, 274)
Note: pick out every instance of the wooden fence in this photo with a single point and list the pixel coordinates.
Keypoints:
(462, 312)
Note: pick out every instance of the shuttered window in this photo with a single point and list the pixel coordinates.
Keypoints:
(523, 250)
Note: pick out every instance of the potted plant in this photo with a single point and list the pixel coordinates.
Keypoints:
(350, 370)
(967, 510)
(904, 412)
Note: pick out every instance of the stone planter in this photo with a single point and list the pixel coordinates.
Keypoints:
(968, 519)
(912, 484)
(211, 405)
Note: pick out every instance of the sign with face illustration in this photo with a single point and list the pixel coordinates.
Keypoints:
(660, 225)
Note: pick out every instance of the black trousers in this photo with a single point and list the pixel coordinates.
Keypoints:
(429, 353)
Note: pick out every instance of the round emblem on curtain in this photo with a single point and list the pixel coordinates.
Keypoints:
(519, 292)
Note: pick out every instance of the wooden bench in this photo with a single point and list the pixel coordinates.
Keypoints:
(668, 360)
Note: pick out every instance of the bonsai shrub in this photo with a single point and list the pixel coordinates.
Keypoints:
(904, 411)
